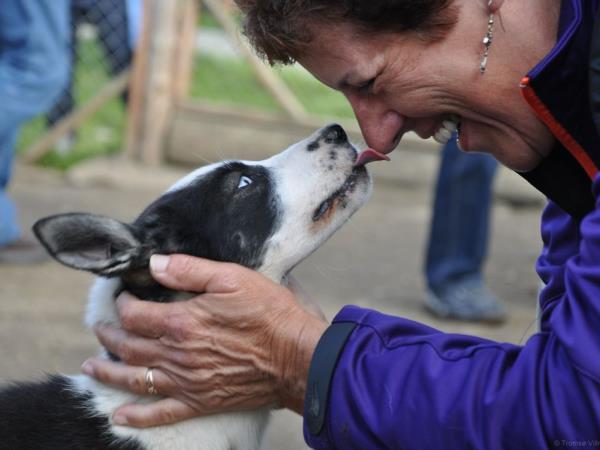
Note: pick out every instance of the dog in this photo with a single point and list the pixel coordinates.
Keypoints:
(266, 215)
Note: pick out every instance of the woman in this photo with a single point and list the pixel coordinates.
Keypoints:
(514, 76)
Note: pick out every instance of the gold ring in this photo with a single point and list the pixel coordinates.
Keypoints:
(150, 382)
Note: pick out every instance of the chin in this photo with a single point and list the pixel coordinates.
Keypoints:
(519, 161)
(522, 166)
(513, 153)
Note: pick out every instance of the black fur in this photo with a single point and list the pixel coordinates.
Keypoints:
(313, 146)
(334, 134)
(50, 416)
(211, 218)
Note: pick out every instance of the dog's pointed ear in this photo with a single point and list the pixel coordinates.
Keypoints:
(89, 242)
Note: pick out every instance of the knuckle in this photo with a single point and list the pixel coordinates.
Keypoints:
(167, 415)
(100, 373)
(125, 351)
(213, 402)
(180, 327)
(187, 359)
(127, 318)
(197, 379)
(230, 279)
(137, 385)
(184, 357)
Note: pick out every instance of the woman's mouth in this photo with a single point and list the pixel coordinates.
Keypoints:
(447, 129)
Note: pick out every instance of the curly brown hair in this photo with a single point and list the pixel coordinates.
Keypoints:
(280, 30)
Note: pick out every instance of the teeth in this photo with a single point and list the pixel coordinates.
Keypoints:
(444, 133)
(449, 125)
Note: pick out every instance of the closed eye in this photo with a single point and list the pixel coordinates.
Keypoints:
(367, 86)
(244, 181)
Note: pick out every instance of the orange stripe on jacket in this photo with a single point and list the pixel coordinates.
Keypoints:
(557, 129)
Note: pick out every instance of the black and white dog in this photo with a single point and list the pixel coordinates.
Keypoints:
(266, 215)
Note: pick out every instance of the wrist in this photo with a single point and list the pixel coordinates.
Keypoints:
(298, 337)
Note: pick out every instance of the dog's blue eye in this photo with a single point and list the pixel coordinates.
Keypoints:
(244, 181)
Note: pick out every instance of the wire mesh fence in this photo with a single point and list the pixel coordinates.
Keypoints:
(103, 35)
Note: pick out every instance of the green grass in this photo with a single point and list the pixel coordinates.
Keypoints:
(232, 82)
(218, 80)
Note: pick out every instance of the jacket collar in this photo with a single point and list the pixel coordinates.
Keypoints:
(557, 90)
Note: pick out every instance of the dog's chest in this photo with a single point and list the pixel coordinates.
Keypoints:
(239, 430)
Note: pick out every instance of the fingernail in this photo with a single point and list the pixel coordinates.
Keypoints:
(87, 368)
(119, 419)
(159, 263)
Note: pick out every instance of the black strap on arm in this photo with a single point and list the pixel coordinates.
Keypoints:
(321, 371)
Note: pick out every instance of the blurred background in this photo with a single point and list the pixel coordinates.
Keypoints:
(190, 66)
(157, 88)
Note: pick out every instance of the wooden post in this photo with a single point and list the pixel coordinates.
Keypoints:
(137, 86)
(162, 67)
(186, 49)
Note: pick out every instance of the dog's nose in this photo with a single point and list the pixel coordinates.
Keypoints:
(334, 134)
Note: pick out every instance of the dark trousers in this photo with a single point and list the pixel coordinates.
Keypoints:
(459, 231)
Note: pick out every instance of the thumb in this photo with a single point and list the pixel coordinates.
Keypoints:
(186, 273)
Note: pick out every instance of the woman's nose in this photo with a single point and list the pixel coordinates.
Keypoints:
(379, 125)
(382, 132)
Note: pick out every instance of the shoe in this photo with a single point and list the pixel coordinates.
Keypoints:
(468, 300)
(23, 251)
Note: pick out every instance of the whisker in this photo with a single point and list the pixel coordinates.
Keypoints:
(202, 158)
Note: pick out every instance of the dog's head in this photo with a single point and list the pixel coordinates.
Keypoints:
(266, 215)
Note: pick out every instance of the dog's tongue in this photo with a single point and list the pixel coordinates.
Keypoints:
(370, 155)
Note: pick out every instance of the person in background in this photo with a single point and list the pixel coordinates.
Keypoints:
(34, 61)
(458, 238)
(117, 23)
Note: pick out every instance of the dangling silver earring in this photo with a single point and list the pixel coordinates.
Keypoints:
(487, 41)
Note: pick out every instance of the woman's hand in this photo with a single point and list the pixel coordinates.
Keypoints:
(243, 343)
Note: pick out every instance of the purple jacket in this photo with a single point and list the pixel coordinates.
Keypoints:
(378, 381)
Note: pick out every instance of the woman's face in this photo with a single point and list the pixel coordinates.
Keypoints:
(399, 82)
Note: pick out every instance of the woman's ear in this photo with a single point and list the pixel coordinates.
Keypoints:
(89, 242)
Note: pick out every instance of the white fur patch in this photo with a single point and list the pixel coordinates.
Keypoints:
(240, 430)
